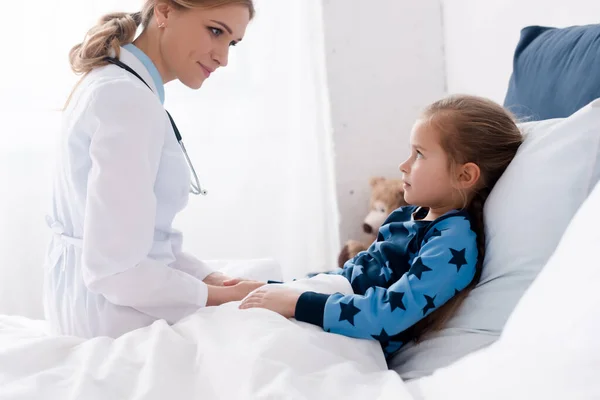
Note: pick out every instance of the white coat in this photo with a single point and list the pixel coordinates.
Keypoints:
(114, 263)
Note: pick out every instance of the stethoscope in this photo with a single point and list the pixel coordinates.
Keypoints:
(195, 187)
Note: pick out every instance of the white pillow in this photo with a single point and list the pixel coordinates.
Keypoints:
(525, 215)
(550, 348)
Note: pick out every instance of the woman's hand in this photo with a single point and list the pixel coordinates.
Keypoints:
(281, 300)
(218, 295)
(220, 279)
(243, 288)
(216, 279)
(234, 281)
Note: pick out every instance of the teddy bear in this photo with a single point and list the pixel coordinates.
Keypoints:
(386, 196)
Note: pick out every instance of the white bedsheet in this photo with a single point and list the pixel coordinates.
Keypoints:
(217, 353)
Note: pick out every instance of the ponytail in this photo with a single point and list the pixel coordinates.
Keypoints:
(104, 39)
(439, 318)
(117, 29)
(475, 210)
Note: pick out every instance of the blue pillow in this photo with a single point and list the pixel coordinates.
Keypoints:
(555, 71)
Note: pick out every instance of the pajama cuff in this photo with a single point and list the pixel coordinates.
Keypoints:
(311, 308)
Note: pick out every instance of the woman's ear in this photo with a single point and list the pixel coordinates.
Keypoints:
(468, 175)
(161, 12)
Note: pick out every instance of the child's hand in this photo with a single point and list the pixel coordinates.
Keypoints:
(281, 300)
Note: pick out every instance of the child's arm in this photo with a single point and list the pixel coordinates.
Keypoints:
(445, 265)
(393, 231)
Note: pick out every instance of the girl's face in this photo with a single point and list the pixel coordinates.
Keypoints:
(426, 173)
(195, 42)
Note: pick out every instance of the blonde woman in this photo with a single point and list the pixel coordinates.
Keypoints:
(114, 263)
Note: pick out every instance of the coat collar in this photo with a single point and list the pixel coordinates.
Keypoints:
(137, 60)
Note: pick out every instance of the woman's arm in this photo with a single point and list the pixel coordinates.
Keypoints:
(191, 265)
(125, 152)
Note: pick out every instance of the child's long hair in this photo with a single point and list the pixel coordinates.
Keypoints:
(477, 130)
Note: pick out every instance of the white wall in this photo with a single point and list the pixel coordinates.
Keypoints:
(385, 62)
(481, 36)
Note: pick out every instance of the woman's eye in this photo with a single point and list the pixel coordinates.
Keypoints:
(216, 31)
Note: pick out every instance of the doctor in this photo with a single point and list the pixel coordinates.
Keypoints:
(114, 263)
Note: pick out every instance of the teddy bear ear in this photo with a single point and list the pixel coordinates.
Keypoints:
(376, 180)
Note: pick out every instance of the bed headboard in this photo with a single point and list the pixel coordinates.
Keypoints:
(481, 37)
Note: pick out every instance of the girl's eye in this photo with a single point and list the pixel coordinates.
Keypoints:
(419, 154)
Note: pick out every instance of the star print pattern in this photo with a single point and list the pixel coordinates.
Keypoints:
(411, 256)
(348, 311)
(416, 269)
(430, 304)
(458, 258)
(395, 300)
(386, 271)
(383, 337)
(436, 233)
(356, 272)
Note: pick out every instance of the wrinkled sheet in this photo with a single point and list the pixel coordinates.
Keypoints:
(217, 353)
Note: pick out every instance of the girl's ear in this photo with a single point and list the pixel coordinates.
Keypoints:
(468, 175)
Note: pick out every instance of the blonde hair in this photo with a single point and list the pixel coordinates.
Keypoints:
(117, 29)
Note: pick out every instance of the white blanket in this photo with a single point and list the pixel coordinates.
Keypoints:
(217, 353)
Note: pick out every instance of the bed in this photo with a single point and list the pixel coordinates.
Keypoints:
(218, 353)
(505, 341)
(548, 269)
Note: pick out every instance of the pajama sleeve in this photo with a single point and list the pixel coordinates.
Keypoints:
(444, 265)
(393, 229)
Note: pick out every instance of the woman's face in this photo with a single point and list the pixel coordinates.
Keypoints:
(195, 42)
